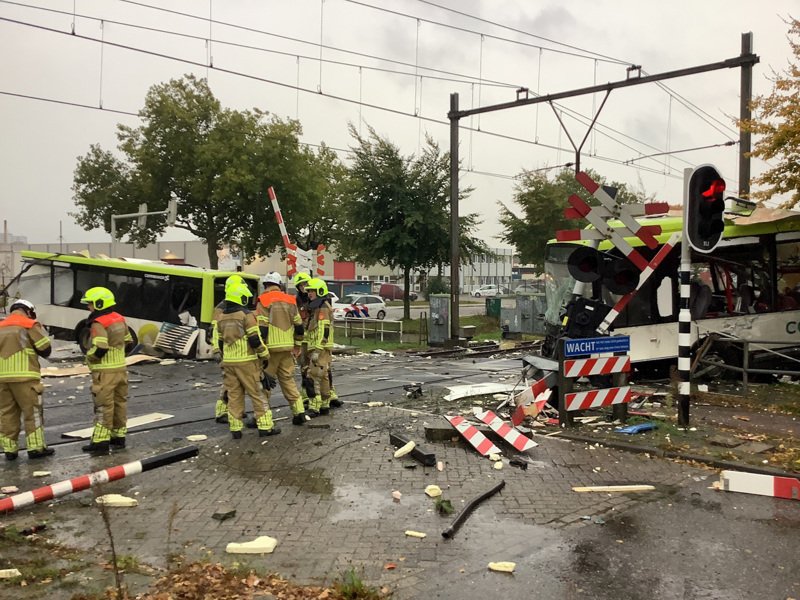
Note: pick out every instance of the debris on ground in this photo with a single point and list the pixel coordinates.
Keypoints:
(413, 390)
(198, 437)
(41, 473)
(444, 506)
(440, 466)
(433, 490)
(397, 494)
(470, 433)
(427, 459)
(224, 515)
(415, 534)
(9, 573)
(498, 465)
(9, 489)
(639, 428)
(520, 464)
(405, 449)
(374, 404)
(116, 500)
(502, 567)
(457, 392)
(467, 510)
(614, 488)
(261, 545)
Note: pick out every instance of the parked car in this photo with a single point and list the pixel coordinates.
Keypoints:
(490, 290)
(355, 306)
(392, 291)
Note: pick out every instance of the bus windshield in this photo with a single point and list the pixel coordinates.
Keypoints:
(558, 283)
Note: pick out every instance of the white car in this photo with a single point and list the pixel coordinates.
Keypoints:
(355, 306)
(488, 290)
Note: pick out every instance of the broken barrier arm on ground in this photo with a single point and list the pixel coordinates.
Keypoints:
(427, 459)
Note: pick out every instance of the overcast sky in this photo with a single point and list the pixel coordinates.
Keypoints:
(384, 64)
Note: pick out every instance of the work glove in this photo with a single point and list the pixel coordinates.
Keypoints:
(217, 357)
(268, 382)
(314, 356)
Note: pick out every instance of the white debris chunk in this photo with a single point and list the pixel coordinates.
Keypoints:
(433, 491)
(416, 534)
(494, 457)
(41, 473)
(440, 466)
(397, 495)
(374, 404)
(503, 567)
(9, 489)
(498, 465)
(261, 545)
(9, 573)
(403, 450)
(116, 500)
(197, 437)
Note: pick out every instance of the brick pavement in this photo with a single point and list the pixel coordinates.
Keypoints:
(325, 494)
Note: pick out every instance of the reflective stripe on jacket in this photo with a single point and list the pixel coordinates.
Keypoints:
(321, 321)
(108, 336)
(278, 312)
(232, 331)
(20, 337)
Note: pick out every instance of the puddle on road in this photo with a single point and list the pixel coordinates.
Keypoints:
(358, 503)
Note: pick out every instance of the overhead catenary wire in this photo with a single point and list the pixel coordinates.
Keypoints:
(577, 116)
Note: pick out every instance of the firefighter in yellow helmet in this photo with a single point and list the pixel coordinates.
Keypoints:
(243, 351)
(281, 327)
(21, 339)
(320, 345)
(221, 405)
(109, 340)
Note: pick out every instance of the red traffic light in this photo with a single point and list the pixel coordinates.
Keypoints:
(705, 209)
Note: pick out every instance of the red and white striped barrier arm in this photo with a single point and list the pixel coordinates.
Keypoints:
(534, 393)
(77, 484)
(505, 431)
(597, 398)
(584, 367)
(470, 433)
(646, 273)
(291, 249)
(531, 409)
(761, 485)
(320, 261)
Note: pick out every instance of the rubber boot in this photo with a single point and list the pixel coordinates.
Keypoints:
(237, 435)
(97, 448)
(268, 432)
(118, 442)
(11, 455)
(42, 453)
(299, 419)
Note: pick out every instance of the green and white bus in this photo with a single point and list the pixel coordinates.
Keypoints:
(748, 288)
(167, 306)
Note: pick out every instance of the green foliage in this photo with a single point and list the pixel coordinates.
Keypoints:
(437, 285)
(776, 123)
(397, 208)
(444, 507)
(218, 164)
(352, 587)
(543, 201)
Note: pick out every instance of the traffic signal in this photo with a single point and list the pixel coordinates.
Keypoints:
(172, 212)
(706, 206)
(616, 273)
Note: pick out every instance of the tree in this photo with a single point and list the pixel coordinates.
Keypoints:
(217, 163)
(543, 201)
(397, 208)
(776, 120)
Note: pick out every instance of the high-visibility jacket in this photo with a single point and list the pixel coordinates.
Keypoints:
(108, 339)
(320, 330)
(237, 336)
(21, 339)
(277, 314)
(302, 300)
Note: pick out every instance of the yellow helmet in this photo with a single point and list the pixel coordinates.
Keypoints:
(319, 286)
(301, 277)
(238, 293)
(100, 297)
(233, 280)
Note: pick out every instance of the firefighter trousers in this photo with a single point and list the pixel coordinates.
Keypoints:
(240, 379)
(281, 367)
(21, 400)
(318, 371)
(110, 392)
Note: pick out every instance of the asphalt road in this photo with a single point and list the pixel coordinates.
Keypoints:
(467, 306)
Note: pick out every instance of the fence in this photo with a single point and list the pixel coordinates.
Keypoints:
(378, 329)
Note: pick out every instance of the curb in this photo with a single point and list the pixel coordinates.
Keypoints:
(713, 462)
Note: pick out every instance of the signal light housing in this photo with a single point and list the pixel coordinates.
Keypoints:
(706, 206)
(618, 274)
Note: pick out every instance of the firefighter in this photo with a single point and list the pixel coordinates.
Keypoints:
(109, 340)
(281, 327)
(21, 338)
(243, 351)
(221, 405)
(320, 344)
(300, 282)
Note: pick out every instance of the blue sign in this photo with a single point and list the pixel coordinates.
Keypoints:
(615, 343)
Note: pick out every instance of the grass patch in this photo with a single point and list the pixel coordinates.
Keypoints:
(352, 587)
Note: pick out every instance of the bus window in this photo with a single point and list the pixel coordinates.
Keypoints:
(155, 300)
(127, 290)
(185, 299)
(63, 285)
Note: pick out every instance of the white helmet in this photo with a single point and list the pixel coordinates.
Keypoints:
(25, 304)
(273, 278)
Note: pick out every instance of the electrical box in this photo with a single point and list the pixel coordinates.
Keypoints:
(439, 320)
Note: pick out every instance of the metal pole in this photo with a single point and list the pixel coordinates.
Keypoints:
(113, 234)
(746, 96)
(684, 316)
(455, 259)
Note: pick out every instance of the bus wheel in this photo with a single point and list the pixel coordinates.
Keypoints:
(82, 336)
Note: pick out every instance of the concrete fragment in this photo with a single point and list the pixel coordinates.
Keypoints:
(498, 465)
(440, 466)
(755, 448)
(503, 567)
(416, 534)
(41, 473)
(374, 404)
(261, 545)
(116, 500)
(198, 437)
(724, 441)
(9, 489)
(224, 515)
(433, 491)
(494, 457)
(397, 495)
(405, 449)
